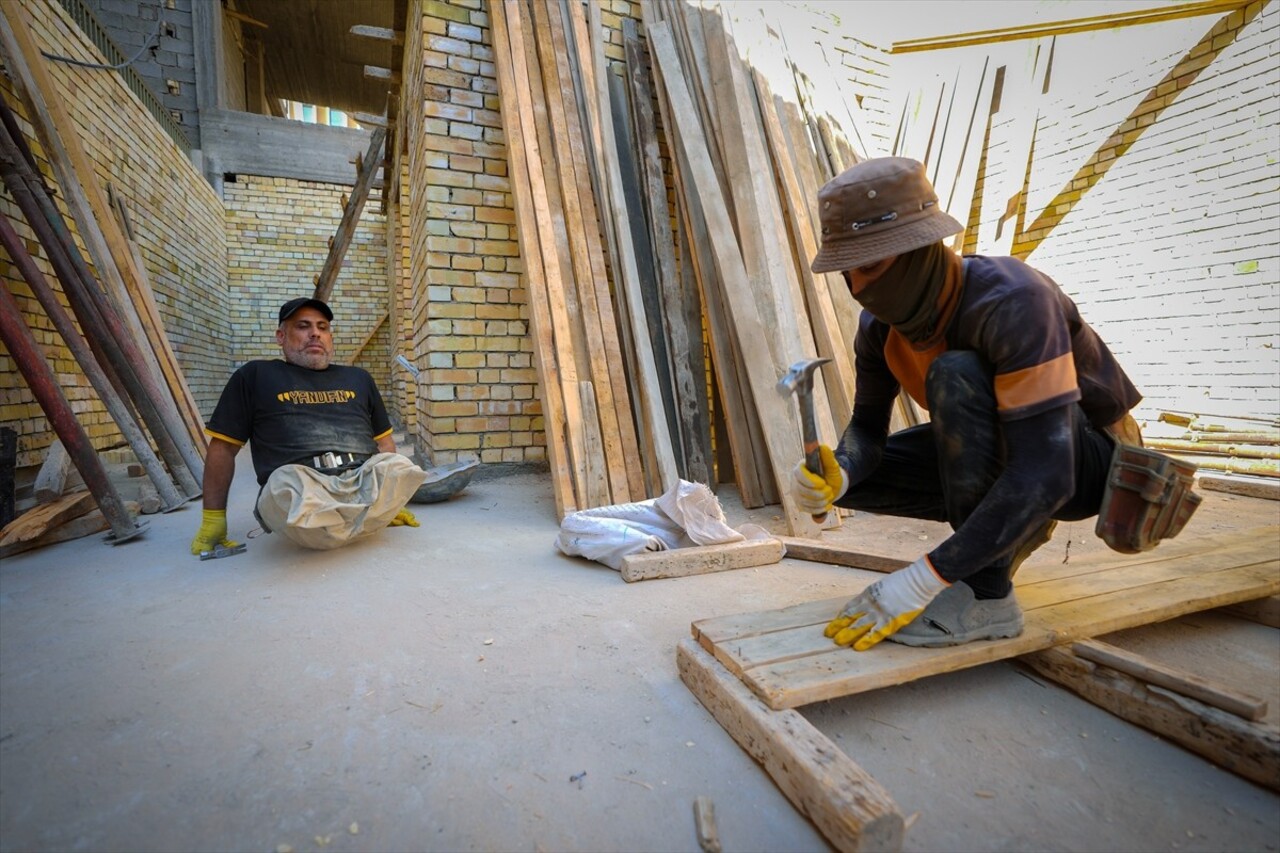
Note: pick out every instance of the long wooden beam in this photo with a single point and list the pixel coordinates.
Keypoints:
(366, 169)
(1092, 23)
(845, 802)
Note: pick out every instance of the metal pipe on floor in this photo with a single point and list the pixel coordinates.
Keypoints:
(43, 383)
(116, 350)
(165, 488)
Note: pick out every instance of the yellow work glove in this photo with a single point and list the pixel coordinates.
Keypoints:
(884, 607)
(212, 532)
(404, 518)
(816, 492)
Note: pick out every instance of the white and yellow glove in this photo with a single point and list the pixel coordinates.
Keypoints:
(212, 532)
(403, 518)
(884, 607)
(816, 492)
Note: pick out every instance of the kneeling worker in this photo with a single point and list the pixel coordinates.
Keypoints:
(1026, 405)
(320, 439)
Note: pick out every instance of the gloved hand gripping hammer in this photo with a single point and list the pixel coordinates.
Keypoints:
(799, 380)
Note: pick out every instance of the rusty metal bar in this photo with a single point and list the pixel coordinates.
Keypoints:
(116, 349)
(165, 488)
(44, 385)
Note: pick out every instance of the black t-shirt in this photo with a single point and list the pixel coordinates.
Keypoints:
(292, 413)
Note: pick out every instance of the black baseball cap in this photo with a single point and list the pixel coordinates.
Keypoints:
(288, 309)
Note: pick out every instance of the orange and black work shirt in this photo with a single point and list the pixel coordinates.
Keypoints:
(290, 414)
(1019, 321)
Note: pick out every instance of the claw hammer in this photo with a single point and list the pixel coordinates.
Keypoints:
(799, 380)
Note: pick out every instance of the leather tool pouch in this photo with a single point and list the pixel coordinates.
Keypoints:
(1148, 498)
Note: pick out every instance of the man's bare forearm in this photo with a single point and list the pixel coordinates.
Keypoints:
(219, 469)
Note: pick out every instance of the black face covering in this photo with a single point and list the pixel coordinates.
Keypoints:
(906, 295)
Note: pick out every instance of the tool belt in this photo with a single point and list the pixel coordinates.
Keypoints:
(1148, 498)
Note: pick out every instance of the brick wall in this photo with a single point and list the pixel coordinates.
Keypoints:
(178, 220)
(479, 387)
(1167, 232)
(277, 233)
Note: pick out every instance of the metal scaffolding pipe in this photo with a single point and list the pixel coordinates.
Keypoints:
(115, 406)
(44, 385)
(117, 349)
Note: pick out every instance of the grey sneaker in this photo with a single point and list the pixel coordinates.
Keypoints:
(956, 617)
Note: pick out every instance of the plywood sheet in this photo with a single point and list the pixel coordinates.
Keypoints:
(784, 658)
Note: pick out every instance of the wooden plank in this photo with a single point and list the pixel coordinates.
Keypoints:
(654, 414)
(739, 419)
(700, 560)
(783, 656)
(815, 551)
(761, 648)
(383, 34)
(1247, 486)
(366, 171)
(684, 350)
(1187, 684)
(377, 72)
(781, 431)
(586, 143)
(1264, 611)
(1249, 749)
(838, 376)
(845, 802)
(547, 230)
(594, 475)
(542, 325)
(44, 517)
(85, 525)
(594, 318)
(52, 478)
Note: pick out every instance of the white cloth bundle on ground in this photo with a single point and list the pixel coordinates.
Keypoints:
(688, 514)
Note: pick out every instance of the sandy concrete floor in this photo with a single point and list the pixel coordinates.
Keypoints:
(462, 686)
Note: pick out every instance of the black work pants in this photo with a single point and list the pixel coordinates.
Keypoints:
(940, 471)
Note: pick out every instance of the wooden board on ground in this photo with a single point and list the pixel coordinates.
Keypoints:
(847, 805)
(1249, 749)
(35, 523)
(85, 525)
(700, 560)
(783, 656)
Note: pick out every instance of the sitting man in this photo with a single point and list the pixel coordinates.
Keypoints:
(1026, 405)
(321, 443)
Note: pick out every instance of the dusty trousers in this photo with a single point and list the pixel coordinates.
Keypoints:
(324, 511)
(941, 470)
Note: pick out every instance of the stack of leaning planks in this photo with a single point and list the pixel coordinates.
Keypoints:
(725, 259)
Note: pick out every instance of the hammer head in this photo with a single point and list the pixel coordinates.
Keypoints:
(799, 377)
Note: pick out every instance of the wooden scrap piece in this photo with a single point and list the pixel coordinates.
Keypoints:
(704, 818)
(52, 478)
(1151, 672)
(815, 551)
(85, 525)
(45, 517)
(845, 802)
(700, 560)
(1249, 749)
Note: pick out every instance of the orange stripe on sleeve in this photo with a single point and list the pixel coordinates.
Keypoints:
(1031, 385)
(384, 435)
